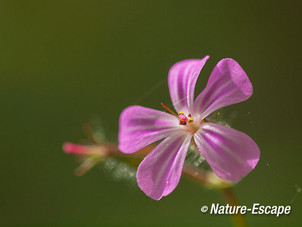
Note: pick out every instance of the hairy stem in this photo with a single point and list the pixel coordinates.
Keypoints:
(206, 178)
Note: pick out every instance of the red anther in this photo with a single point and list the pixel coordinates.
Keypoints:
(182, 122)
(182, 119)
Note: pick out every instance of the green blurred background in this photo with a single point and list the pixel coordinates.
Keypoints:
(63, 62)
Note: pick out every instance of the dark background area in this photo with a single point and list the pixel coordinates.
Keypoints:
(63, 62)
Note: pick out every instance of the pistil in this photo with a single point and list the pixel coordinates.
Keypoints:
(167, 108)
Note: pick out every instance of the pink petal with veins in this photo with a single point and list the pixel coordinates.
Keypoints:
(228, 84)
(141, 126)
(159, 173)
(182, 79)
(230, 153)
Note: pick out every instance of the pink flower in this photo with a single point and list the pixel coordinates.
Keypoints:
(230, 153)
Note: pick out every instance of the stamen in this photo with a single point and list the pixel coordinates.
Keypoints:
(190, 119)
(181, 122)
(167, 108)
(182, 118)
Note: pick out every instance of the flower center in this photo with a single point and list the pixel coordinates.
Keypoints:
(183, 120)
(188, 122)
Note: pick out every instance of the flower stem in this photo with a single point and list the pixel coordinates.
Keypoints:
(230, 198)
(210, 180)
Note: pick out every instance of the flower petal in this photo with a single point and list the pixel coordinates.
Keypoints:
(228, 84)
(159, 173)
(230, 153)
(182, 79)
(141, 126)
